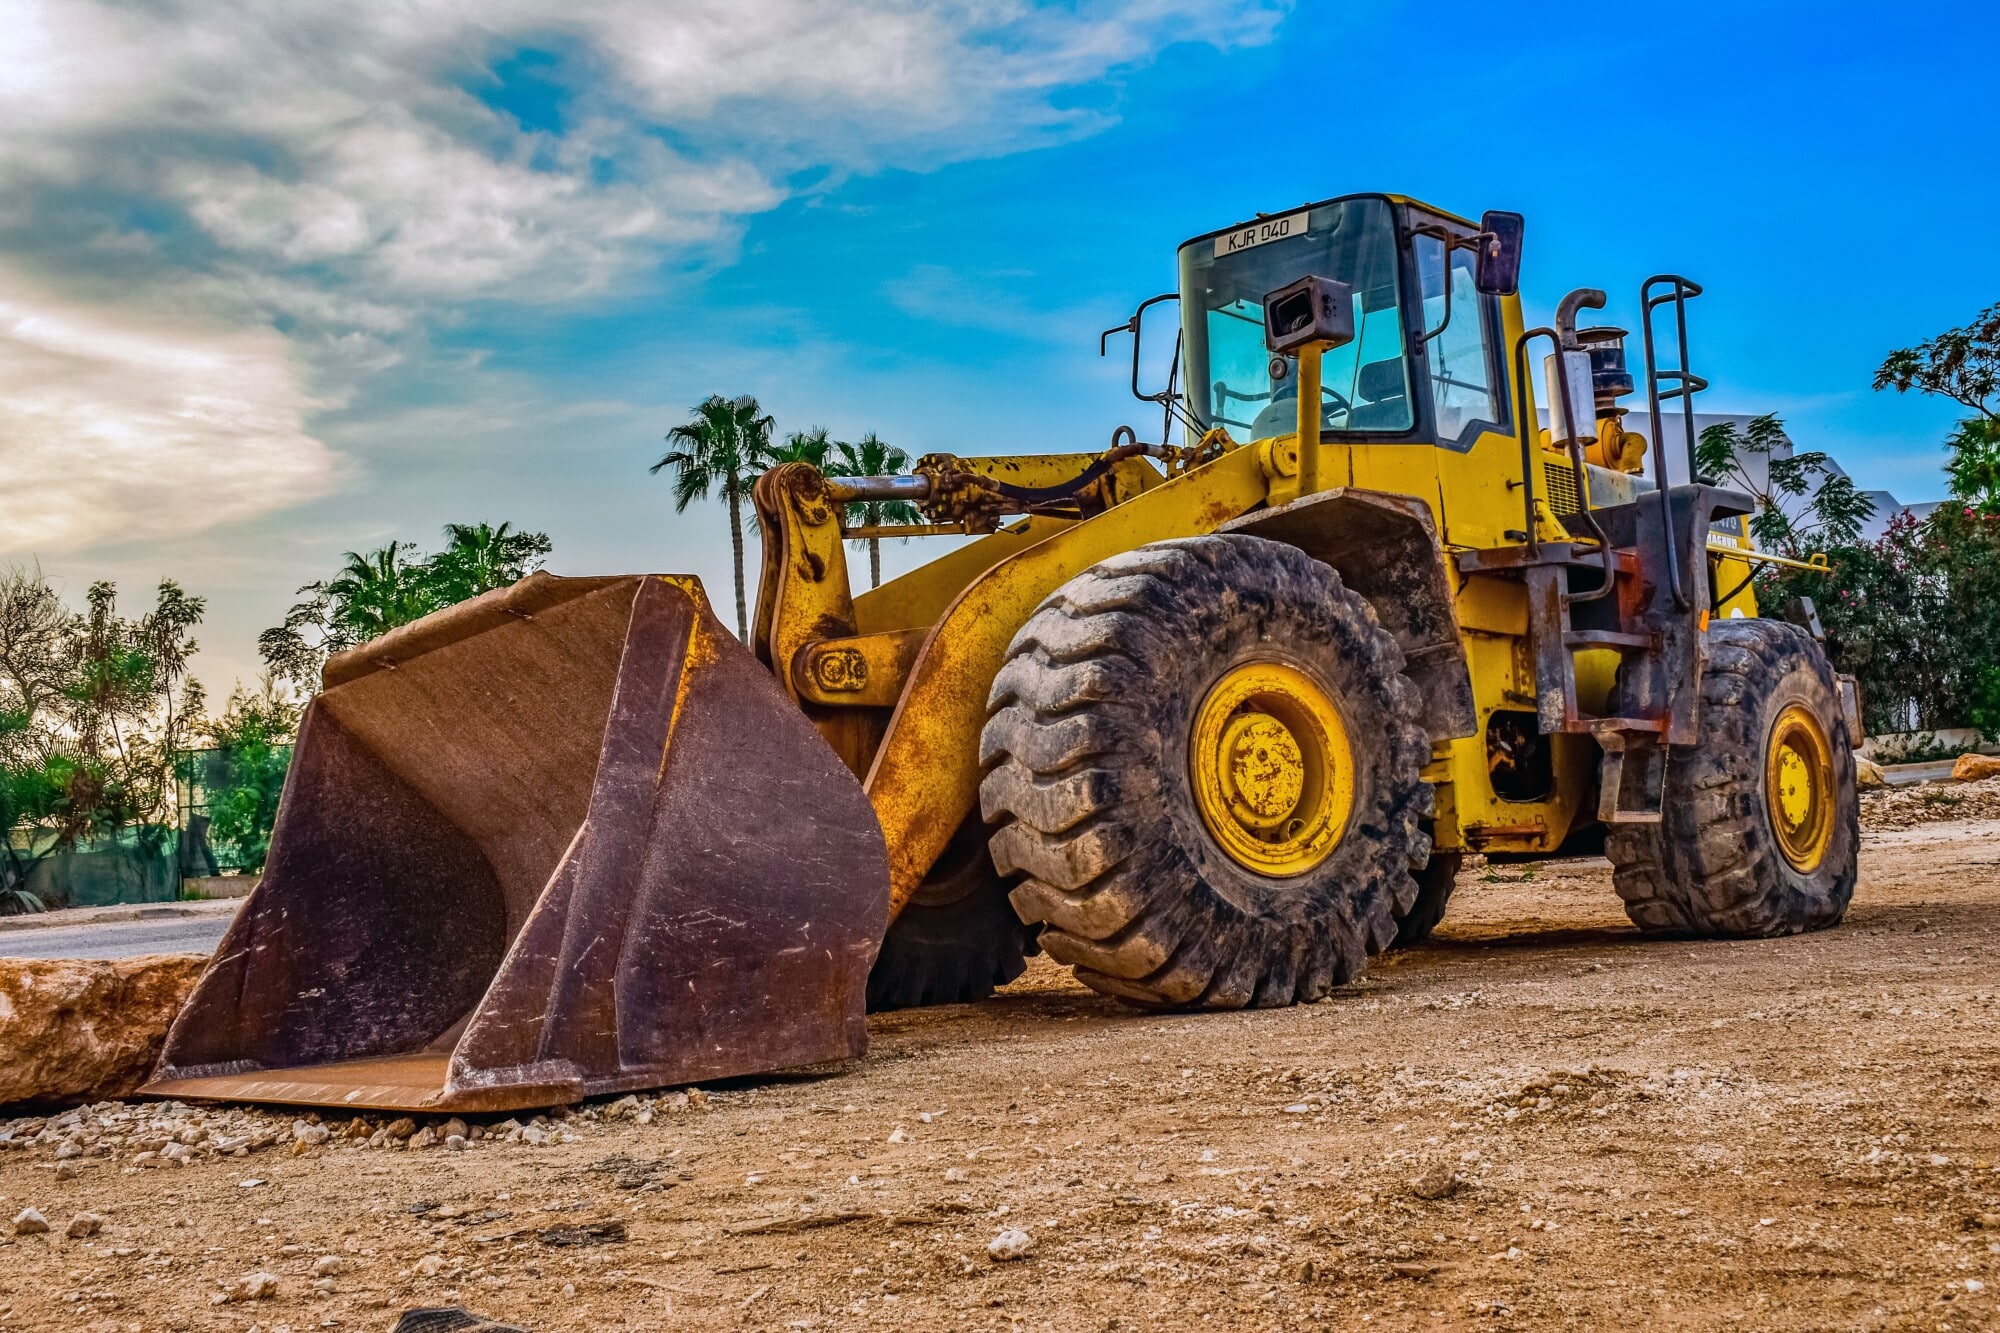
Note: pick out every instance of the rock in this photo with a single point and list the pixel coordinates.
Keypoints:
(327, 1265)
(1010, 1245)
(305, 1132)
(1438, 1182)
(431, 1265)
(455, 1128)
(454, 1142)
(250, 1287)
(424, 1138)
(83, 1225)
(84, 1030)
(1972, 767)
(400, 1128)
(30, 1222)
(897, 1135)
(1868, 774)
(68, 1171)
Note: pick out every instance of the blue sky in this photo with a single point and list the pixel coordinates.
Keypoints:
(276, 283)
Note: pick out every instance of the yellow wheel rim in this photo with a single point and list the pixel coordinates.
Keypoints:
(1272, 767)
(1798, 787)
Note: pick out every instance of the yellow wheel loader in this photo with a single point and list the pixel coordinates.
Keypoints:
(1209, 722)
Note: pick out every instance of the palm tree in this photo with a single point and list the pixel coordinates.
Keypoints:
(804, 446)
(375, 593)
(872, 458)
(479, 557)
(726, 441)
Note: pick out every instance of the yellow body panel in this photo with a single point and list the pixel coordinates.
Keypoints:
(925, 777)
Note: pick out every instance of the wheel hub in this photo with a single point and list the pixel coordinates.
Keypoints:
(1798, 787)
(1263, 770)
(1272, 768)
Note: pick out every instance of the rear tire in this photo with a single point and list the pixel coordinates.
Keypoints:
(1434, 885)
(958, 940)
(1729, 859)
(1090, 751)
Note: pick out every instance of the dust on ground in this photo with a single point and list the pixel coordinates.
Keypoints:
(1538, 1120)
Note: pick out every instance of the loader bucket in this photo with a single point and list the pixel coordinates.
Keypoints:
(565, 839)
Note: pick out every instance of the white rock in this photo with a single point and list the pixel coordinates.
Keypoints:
(534, 1136)
(327, 1265)
(454, 1142)
(252, 1287)
(431, 1265)
(30, 1222)
(1010, 1245)
(897, 1135)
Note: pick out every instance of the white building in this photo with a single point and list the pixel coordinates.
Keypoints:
(1887, 506)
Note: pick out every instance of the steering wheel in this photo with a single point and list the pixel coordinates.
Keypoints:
(1282, 413)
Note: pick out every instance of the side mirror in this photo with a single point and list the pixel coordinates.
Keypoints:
(1499, 269)
(1311, 310)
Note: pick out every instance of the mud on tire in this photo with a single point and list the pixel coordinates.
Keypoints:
(958, 939)
(1088, 777)
(1714, 865)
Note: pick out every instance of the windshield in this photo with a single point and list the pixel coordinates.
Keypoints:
(1223, 282)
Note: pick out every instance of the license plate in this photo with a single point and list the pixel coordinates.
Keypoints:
(1261, 232)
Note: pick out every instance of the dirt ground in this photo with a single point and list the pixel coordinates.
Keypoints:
(1539, 1120)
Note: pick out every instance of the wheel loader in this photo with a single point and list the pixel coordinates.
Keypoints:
(1210, 722)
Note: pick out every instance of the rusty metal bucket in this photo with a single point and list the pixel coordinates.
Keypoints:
(565, 839)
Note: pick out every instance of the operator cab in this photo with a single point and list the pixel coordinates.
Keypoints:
(1424, 365)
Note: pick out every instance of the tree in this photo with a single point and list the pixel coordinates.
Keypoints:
(726, 442)
(804, 446)
(1973, 473)
(873, 458)
(479, 558)
(1960, 364)
(1964, 366)
(390, 587)
(380, 591)
(34, 641)
(1832, 511)
(243, 776)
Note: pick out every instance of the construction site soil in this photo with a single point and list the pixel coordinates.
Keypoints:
(1539, 1119)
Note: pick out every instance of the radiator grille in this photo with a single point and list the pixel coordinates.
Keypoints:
(1560, 483)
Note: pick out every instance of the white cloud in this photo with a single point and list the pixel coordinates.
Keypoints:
(330, 170)
(116, 429)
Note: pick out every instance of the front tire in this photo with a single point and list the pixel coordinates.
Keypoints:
(1434, 885)
(958, 939)
(1203, 757)
(1760, 821)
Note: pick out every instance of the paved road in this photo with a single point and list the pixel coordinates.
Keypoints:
(116, 939)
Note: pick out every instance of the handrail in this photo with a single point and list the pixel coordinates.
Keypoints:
(1530, 448)
(1688, 384)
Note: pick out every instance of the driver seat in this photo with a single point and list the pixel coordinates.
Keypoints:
(1383, 397)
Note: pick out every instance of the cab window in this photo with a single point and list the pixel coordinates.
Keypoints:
(1462, 357)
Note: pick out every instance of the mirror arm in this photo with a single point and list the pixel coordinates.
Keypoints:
(1136, 327)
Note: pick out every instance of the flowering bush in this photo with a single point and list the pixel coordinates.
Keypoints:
(1915, 617)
